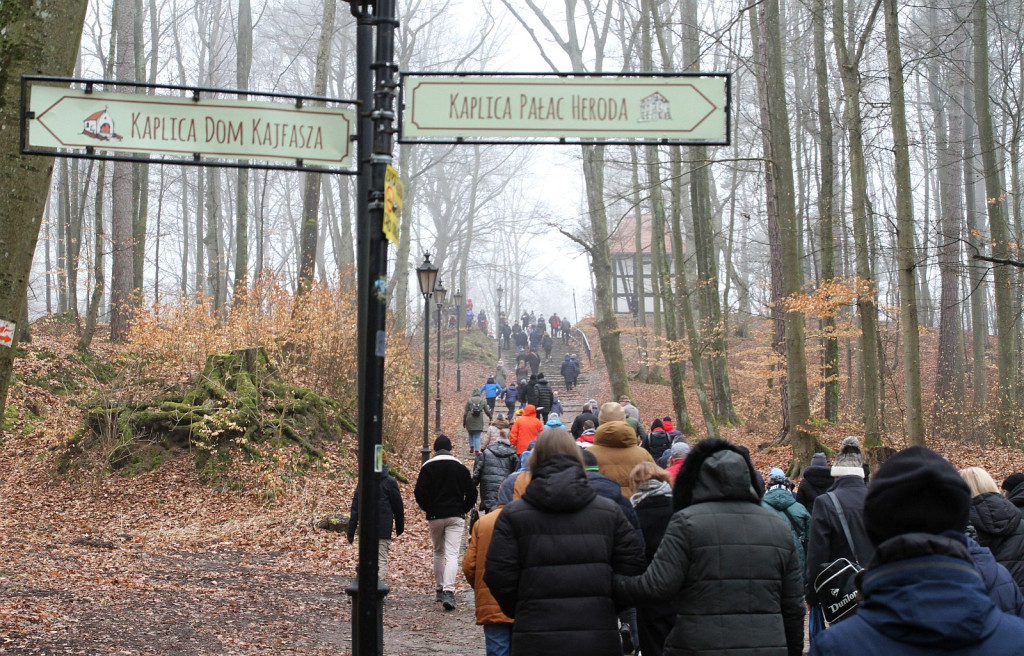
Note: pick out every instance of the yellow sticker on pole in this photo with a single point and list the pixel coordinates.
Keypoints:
(394, 192)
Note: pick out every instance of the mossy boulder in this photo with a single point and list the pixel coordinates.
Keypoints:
(239, 400)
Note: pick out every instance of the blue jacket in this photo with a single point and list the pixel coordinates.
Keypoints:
(491, 390)
(997, 579)
(510, 393)
(922, 596)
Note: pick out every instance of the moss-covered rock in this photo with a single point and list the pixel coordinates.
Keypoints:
(239, 401)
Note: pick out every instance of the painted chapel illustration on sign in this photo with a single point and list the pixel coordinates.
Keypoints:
(100, 126)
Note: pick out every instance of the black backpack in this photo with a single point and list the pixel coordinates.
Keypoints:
(659, 441)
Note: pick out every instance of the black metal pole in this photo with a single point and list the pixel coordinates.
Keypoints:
(437, 410)
(425, 451)
(375, 130)
(458, 348)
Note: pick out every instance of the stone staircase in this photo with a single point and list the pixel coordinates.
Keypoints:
(572, 400)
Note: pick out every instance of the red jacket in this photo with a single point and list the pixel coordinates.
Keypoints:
(525, 430)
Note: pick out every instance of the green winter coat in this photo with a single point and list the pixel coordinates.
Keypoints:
(475, 402)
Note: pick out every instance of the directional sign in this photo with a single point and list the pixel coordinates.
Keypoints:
(226, 129)
(7, 331)
(677, 108)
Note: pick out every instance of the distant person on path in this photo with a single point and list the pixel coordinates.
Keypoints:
(554, 322)
(556, 405)
(652, 500)
(497, 625)
(473, 419)
(999, 524)
(657, 441)
(525, 429)
(445, 492)
(586, 414)
(547, 344)
(568, 372)
(491, 390)
(491, 469)
(615, 446)
(495, 431)
(500, 375)
(628, 407)
(509, 396)
(524, 320)
(521, 340)
(531, 390)
(726, 566)
(779, 497)
(677, 458)
(817, 479)
(533, 360)
(535, 336)
(553, 554)
(481, 321)
(545, 397)
(390, 514)
(921, 592)
(827, 541)
(522, 373)
(469, 317)
(506, 334)
(533, 319)
(1013, 489)
(564, 327)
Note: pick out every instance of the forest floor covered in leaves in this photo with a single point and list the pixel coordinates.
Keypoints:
(161, 562)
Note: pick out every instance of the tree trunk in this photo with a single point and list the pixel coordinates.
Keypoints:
(867, 308)
(122, 243)
(907, 256)
(996, 201)
(781, 163)
(27, 47)
(830, 367)
(311, 182)
(979, 289)
(243, 56)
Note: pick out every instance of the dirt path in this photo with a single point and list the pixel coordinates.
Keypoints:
(218, 602)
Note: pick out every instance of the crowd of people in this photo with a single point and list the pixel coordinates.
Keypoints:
(606, 538)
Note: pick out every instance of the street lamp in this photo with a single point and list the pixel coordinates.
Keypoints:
(439, 292)
(458, 340)
(427, 274)
(500, 290)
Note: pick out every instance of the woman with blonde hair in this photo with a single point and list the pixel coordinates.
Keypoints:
(553, 553)
(997, 521)
(978, 480)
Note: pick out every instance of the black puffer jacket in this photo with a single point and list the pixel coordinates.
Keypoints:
(545, 399)
(551, 561)
(491, 469)
(827, 540)
(816, 481)
(729, 566)
(1000, 528)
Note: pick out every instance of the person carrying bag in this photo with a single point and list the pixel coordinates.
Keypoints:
(836, 585)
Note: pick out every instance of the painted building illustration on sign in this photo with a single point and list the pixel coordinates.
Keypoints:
(654, 107)
(100, 126)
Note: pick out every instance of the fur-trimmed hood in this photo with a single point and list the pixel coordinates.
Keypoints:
(716, 470)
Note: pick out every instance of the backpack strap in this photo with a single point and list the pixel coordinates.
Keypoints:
(792, 520)
(846, 527)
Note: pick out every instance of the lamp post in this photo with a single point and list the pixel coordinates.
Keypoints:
(500, 290)
(458, 340)
(427, 275)
(439, 292)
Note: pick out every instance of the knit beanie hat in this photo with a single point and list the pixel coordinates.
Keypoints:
(679, 450)
(554, 421)
(915, 491)
(849, 461)
(1012, 481)
(442, 443)
(589, 461)
(819, 460)
(778, 479)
